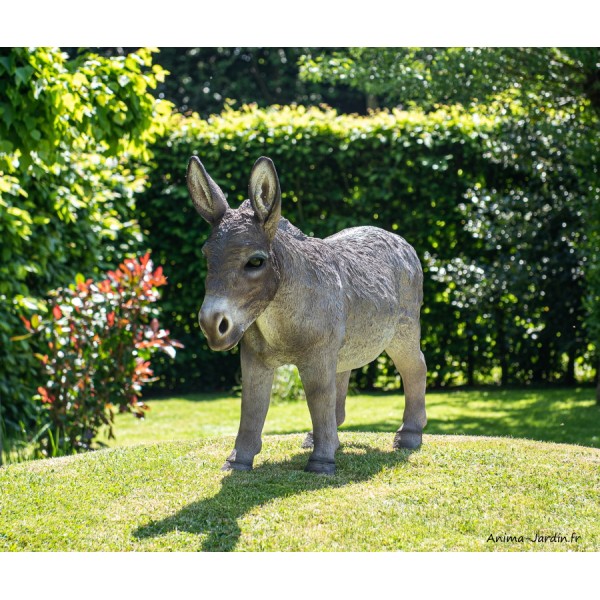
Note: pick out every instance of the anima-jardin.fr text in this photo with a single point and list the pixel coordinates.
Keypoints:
(537, 538)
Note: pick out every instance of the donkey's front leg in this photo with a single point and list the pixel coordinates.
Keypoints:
(318, 380)
(257, 380)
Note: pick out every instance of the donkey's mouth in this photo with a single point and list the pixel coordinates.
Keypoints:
(221, 347)
(225, 343)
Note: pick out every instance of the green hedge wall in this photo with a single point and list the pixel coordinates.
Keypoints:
(404, 171)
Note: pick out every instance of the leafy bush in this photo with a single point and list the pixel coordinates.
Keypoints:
(544, 226)
(287, 385)
(73, 137)
(97, 345)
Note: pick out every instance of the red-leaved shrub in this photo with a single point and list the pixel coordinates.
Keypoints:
(98, 340)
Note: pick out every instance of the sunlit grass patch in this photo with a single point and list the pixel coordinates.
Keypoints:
(451, 495)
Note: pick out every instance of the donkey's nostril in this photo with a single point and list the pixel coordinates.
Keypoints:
(223, 326)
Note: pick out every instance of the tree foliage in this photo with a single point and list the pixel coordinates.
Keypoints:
(205, 79)
(425, 77)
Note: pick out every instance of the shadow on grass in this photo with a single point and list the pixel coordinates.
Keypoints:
(241, 492)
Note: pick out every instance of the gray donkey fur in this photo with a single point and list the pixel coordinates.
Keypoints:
(327, 306)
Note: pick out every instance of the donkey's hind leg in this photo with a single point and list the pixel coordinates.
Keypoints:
(341, 390)
(410, 362)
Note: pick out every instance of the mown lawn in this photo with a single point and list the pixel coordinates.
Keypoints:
(452, 494)
(160, 488)
(559, 415)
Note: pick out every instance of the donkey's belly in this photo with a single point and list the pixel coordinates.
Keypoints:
(382, 285)
(351, 357)
(368, 333)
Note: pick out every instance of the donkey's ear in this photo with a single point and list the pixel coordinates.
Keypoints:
(265, 194)
(206, 195)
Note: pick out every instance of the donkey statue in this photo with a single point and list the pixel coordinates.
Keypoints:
(325, 305)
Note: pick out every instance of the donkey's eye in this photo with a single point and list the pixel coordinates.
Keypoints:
(256, 262)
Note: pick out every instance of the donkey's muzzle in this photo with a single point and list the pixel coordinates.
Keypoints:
(217, 324)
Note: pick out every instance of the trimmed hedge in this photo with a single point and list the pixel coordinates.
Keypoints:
(404, 171)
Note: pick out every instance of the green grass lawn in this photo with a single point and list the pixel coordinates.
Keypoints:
(452, 494)
(160, 486)
(558, 415)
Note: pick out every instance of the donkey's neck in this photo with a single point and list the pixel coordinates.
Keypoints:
(305, 264)
(308, 301)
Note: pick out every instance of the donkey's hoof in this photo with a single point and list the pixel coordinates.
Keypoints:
(232, 465)
(308, 442)
(406, 439)
(326, 467)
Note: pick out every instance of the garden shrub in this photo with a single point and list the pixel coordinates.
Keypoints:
(287, 385)
(97, 342)
(74, 135)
